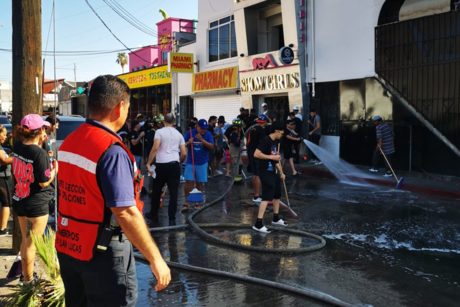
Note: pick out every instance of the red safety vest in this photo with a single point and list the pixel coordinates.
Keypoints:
(82, 211)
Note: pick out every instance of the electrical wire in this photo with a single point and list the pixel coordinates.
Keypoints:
(83, 53)
(123, 13)
(113, 33)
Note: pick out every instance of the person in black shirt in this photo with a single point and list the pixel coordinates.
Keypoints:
(250, 119)
(123, 133)
(211, 125)
(33, 175)
(256, 134)
(268, 154)
(5, 184)
(242, 116)
(298, 129)
(135, 139)
(290, 140)
(234, 136)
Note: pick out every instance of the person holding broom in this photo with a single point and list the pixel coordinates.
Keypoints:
(270, 174)
(200, 141)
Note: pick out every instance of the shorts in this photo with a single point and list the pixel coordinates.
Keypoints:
(288, 152)
(254, 164)
(201, 172)
(30, 211)
(138, 161)
(211, 154)
(218, 155)
(5, 192)
(271, 185)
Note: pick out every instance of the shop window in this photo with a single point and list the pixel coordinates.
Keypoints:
(264, 27)
(222, 39)
(165, 57)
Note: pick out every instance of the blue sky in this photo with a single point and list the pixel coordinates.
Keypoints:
(78, 29)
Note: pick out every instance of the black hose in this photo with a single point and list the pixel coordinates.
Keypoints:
(304, 292)
(212, 238)
(198, 227)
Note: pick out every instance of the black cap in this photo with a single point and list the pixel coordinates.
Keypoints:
(241, 109)
(134, 123)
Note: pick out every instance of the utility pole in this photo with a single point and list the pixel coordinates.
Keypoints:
(27, 71)
(75, 75)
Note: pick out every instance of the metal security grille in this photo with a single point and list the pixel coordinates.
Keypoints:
(421, 59)
(280, 105)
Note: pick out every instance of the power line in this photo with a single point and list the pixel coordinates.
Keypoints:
(113, 33)
(81, 53)
(118, 9)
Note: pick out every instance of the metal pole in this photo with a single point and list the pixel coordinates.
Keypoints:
(75, 74)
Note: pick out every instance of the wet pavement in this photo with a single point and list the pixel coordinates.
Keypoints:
(385, 247)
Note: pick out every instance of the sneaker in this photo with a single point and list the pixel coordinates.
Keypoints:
(313, 161)
(388, 175)
(373, 170)
(4, 233)
(220, 172)
(257, 200)
(280, 223)
(262, 230)
(318, 163)
(21, 281)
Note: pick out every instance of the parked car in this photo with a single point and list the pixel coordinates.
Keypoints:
(67, 125)
(6, 123)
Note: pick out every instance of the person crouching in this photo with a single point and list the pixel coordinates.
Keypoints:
(270, 176)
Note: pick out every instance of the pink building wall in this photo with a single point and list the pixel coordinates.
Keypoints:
(165, 30)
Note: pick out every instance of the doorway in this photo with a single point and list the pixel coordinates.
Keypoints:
(280, 105)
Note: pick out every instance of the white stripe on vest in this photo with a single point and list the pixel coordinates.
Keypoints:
(77, 160)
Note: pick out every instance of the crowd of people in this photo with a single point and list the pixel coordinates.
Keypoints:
(100, 215)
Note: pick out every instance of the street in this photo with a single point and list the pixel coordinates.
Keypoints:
(385, 247)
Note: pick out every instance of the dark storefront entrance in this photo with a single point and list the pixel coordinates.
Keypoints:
(280, 105)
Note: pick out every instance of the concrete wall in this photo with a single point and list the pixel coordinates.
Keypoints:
(344, 32)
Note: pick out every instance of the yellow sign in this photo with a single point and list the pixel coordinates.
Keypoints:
(148, 77)
(215, 80)
(180, 62)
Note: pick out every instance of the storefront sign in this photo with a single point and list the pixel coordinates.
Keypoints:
(269, 83)
(149, 77)
(259, 63)
(180, 62)
(215, 80)
(286, 55)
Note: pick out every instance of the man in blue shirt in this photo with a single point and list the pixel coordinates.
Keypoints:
(202, 142)
(385, 143)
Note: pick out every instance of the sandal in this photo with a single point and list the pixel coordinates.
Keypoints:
(297, 173)
(185, 208)
(197, 206)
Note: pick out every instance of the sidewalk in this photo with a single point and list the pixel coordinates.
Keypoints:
(445, 186)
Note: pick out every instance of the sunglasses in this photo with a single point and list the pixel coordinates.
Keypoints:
(280, 131)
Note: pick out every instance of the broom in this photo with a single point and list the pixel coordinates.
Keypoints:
(195, 195)
(284, 182)
(400, 180)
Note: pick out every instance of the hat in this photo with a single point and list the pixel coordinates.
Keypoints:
(262, 118)
(376, 118)
(34, 122)
(203, 124)
(296, 108)
(241, 109)
(221, 120)
(237, 122)
(264, 105)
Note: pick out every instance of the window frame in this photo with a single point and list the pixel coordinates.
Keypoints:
(217, 27)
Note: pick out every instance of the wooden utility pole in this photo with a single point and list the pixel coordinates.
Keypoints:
(27, 70)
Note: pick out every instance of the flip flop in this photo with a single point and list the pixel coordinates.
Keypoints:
(228, 176)
(262, 230)
(185, 208)
(196, 207)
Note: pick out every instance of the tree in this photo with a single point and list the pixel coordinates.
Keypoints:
(27, 71)
(122, 59)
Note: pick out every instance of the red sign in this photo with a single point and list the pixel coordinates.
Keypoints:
(259, 63)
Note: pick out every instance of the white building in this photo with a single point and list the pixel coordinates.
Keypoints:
(214, 88)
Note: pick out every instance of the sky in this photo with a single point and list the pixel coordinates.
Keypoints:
(79, 29)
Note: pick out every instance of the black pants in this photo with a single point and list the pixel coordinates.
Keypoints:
(314, 138)
(109, 279)
(167, 173)
(297, 155)
(378, 157)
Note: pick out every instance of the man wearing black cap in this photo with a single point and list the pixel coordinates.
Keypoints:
(135, 139)
(243, 116)
(256, 134)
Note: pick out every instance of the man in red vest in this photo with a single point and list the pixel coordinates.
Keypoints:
(99, 212)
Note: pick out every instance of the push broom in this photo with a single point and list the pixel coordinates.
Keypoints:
(401, 180)
(195, 195)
